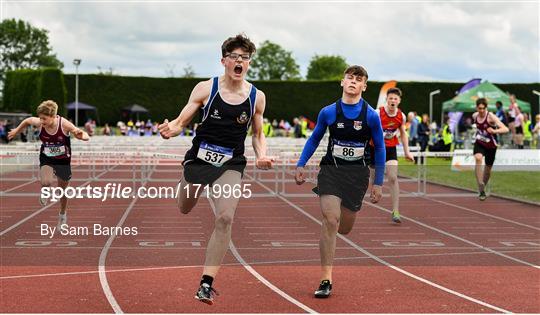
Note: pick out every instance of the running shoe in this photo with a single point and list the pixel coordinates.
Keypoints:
(325, 288)
(62, 219)
(482, 195)
(43, 201)
(395, 216)
(206, 294)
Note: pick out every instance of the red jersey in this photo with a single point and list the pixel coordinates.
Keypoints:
(390, 126)
(56, 146)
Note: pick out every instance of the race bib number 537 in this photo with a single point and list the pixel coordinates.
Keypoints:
(214, 154)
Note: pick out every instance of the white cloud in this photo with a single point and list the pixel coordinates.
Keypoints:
(407, 40)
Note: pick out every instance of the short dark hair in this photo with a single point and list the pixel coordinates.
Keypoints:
(498, 103)
(357, 70)
(481, 101)
(394, 90)
(238, 41)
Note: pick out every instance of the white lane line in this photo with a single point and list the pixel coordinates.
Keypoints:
(469, 222)
(501, 233)
(284, 233)
(45, 207)
(480, 228)
(171, 227)
(169, 233)
(262, 279)
(103, 257)
(274, 227)
(458, 238)
(483, 213)
(18, 186)
(384, 262)
(251, 263)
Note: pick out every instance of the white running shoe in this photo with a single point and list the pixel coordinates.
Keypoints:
(43, 201)
(62, 219)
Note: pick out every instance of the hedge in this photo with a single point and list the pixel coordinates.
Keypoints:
(25, 89)
(165, 97)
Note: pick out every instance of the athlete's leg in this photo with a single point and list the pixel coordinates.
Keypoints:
(63, 201)
(478, 157)
(46, 175)
(188, 195)
(487, 174)
(391, 176)
(346, 220)
(331, 211)
(225, 209)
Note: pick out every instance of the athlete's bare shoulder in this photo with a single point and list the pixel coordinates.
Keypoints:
(201, 92)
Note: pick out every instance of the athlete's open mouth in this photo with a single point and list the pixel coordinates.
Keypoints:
(238, 69)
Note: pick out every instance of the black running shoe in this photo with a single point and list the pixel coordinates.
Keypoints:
(325, 288)
(206, 294)
(482, 196)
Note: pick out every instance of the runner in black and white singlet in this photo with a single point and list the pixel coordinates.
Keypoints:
(344, 175)
(230, 105)
(485, 145)
(55, 151)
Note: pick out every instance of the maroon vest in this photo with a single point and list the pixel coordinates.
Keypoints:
(483, 137)
(55, 146)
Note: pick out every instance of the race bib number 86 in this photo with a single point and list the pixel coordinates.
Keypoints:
(350, 151)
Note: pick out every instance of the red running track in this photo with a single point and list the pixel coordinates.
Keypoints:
(450, 255)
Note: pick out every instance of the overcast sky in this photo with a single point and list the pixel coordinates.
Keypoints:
(402, 40)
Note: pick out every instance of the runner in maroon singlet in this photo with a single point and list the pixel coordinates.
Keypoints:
(55, 151)
(485, 145)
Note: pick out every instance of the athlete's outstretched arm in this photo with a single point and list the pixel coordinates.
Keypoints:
(405, 140)
(258, 139)
(374, 122)
(68, 126)
(501, 128)
(30, 121)
(196, 100)
(312, 143)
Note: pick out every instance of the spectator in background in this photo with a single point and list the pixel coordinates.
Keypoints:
(107, 130)
(500, 113)
(3, 132)
(527, 135)
(412, 123)
(445, 139)
(423, 134)
(123, 128)
(512, 116)
(268, 130)
(303, 126)
(130, 127)
(155, 128)
(536, 132)
(297, 127)
(89, 127)
(518, 128)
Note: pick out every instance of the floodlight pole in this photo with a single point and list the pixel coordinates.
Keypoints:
(431, 94)
(76, 62)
